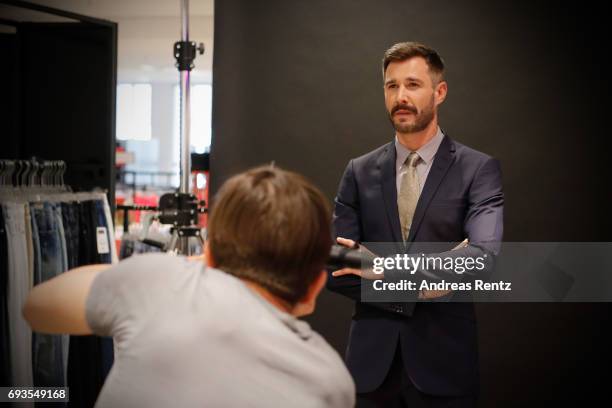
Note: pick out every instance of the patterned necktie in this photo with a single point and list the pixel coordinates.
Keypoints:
(408, 194)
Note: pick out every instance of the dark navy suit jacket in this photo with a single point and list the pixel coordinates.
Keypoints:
(462, 198)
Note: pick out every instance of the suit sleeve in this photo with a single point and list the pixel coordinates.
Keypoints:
(483, 227)
(347, 224)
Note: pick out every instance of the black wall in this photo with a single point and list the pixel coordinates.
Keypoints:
(299, 82)
(9, 95)
(58, 101)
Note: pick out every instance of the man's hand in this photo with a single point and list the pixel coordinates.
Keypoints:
(432, 294)
(349, 243)
(369, 274)
(362, 273)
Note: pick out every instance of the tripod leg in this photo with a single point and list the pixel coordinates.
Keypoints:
(173, 241)
(202, 242)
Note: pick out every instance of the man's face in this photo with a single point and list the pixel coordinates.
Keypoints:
(411, 97)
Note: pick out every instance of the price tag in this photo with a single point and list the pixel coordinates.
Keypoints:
(102, 239)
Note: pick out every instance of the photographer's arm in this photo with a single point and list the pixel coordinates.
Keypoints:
(58, 305)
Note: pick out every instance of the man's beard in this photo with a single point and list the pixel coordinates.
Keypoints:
(421, 119)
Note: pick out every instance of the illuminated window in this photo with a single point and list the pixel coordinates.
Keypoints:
(201, 120)
(134, 112)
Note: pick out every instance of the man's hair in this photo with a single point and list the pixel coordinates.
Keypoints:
(406, 50)
(272, 227)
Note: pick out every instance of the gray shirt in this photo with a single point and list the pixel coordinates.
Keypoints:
(427, 152)
(190, 336)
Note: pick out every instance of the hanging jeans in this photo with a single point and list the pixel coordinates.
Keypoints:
(5, 362)
(104, 255)
(70, 221)
(101, 222)
(49, 352)
(90, 357)
(111, 228)
(19, 285)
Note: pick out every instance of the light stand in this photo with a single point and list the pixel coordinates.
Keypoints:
(181, 209)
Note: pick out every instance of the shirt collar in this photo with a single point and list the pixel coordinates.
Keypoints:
(426, 152)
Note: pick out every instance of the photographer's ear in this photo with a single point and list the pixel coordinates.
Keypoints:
(208, 258)
(307, 305)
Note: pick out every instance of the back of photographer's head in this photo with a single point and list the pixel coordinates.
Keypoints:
(271, 227)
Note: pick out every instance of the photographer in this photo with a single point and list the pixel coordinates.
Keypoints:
(224, 334)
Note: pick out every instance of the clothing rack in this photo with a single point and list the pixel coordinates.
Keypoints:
(63, 112)
(33, 173)
(49, 113)
(45, 230)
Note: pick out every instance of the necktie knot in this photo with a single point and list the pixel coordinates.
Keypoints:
(412, 160)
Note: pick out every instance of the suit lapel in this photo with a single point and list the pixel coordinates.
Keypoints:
(442, 161)
(386, 167)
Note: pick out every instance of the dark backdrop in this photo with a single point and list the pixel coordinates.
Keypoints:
(57, 98)
(299, 82)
